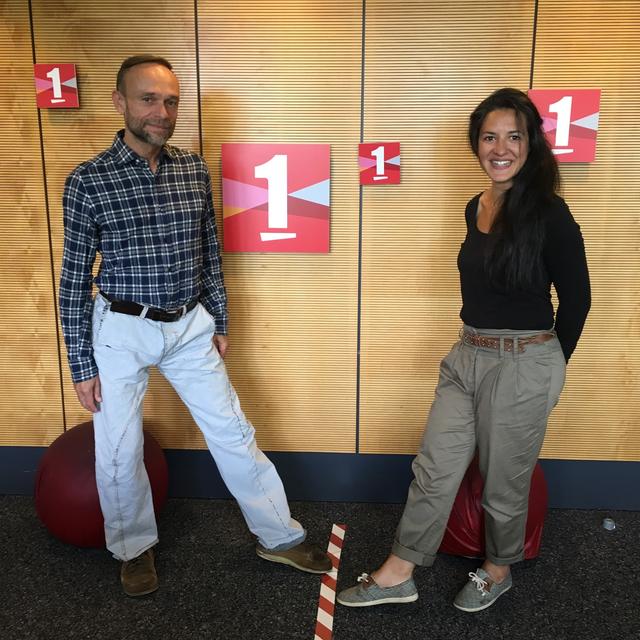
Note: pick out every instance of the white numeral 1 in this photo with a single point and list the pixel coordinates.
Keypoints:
(54, 75)
(274, 171)
(563, 109)
(378, 154)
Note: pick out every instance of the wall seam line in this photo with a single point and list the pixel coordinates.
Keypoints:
(533, 43)
(48, 214)
(359, 303)
(199, 95)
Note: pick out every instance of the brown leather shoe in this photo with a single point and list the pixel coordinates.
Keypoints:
(138, 576)
(304, 556)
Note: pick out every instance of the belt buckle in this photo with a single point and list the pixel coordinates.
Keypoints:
(177, 313)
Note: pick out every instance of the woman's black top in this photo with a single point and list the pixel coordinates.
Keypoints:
(565, 266)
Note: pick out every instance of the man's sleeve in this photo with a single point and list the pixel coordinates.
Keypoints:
(79, 254)
(214, 295)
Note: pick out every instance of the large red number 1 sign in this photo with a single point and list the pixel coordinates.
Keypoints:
(56, 86)
(275, 197)
(570, 121)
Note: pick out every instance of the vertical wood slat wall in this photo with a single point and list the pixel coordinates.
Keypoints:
(30, 403)
(591, 44)
(290, 71)
(424, 73)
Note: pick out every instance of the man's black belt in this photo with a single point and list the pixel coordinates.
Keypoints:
(135, 309)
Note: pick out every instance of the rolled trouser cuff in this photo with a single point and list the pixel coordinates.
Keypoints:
(410, 555)
(503, 562)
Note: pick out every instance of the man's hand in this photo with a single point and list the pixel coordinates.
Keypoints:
(88, 392)
(221, 343)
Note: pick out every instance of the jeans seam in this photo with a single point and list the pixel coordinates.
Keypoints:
(120, 519)
(230, 395)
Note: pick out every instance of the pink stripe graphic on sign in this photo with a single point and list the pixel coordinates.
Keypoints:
(326, 604)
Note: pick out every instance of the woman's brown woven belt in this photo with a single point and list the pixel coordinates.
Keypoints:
(493, 342)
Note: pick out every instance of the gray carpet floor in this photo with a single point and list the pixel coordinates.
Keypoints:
(584, 585)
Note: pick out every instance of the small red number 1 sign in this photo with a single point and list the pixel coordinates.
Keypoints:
(379, 162)
(56, 86)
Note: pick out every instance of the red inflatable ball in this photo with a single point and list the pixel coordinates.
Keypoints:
(66, 494)
(465, 530)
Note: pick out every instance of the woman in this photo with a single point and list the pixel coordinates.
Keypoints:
(499, 383)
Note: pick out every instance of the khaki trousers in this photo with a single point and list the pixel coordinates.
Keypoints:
(495, 401)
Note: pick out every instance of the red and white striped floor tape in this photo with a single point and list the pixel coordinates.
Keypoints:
(324, 621)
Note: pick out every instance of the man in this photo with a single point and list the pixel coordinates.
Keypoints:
(147, 208)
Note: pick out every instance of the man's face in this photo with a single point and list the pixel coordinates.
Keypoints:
(149, 103)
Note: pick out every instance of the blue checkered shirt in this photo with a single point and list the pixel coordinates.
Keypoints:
(156, 235)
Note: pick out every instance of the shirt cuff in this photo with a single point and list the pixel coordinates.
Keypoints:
(221, 326)
(85, 370)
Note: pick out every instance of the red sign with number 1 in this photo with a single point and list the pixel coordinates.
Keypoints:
(275, 197)
(56, 86)
(570, 121)
(379, 162)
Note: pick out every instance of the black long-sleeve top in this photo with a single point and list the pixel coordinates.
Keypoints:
(565, 266)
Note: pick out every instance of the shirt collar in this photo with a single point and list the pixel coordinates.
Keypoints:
(122, 153)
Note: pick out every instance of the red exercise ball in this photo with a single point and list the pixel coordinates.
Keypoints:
(66, 494)
(465, 530)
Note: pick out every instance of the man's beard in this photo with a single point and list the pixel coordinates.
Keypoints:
(157, 140)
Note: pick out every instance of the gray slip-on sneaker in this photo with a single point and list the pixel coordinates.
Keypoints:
(481, 591)
(367, 593)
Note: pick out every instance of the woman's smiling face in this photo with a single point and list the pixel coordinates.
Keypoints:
(503, 147)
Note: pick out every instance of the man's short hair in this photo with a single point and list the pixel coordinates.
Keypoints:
(134, 61)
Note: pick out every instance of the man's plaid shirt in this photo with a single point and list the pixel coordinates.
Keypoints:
(156, 235)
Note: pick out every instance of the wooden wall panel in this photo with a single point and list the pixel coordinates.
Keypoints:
(97, 37)
(290, 72)
(30, 402)
(593, 44)
(426, 70)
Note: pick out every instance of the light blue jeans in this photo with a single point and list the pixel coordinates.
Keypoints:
(124, 348)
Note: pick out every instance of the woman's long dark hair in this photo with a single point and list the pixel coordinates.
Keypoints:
(514, 260)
